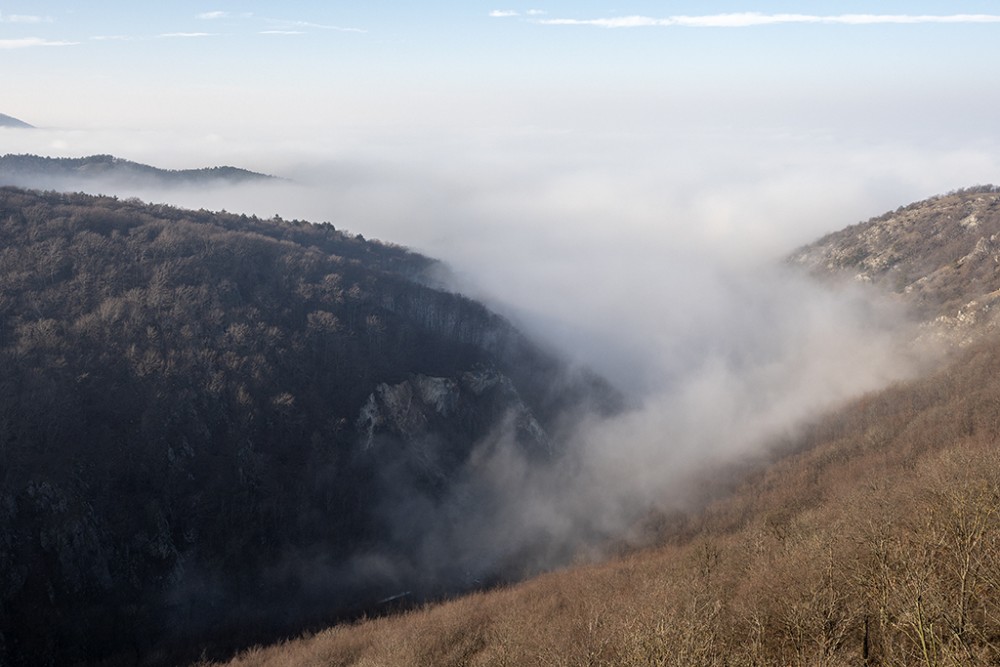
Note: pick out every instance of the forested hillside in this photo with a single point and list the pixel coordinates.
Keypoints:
(208, 421)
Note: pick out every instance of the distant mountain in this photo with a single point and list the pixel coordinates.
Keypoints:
(95, 171)
(942, 255)
(214, 426)
(10, 121)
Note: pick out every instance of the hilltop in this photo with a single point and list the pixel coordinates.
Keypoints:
(869, 537)
(95, 171)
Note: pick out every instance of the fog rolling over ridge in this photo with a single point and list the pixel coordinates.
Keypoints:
(776, 351)
(656, 264)
(657, 272)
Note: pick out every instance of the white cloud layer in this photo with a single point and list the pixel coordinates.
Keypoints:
(187, 35)
(503, 13)
(29, 42)
(752, 19)
(23, 18)
(284, 24)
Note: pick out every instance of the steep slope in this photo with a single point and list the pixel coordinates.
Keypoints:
(10, 121)
(870, 537)
(95, 171)
(210, 424)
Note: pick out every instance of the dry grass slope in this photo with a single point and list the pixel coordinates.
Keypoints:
(872, 539)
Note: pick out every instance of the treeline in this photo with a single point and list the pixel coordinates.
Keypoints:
(178, 398)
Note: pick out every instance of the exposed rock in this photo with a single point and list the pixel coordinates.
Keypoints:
(433, 419)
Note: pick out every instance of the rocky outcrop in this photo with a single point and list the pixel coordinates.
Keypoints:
(434, 424)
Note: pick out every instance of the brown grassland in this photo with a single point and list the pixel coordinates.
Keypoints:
(871, 537)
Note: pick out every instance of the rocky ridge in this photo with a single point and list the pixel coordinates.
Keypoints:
(941, 256)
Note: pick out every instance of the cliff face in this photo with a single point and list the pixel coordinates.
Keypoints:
(209, 421)
(426, 424)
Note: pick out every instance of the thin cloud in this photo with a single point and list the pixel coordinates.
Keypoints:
(29, 42)
(537, 12)
(281, 32)
(211, 16)
(23, 18)
(281, 24)
(188, 35)
(752, 19)
(503, 13)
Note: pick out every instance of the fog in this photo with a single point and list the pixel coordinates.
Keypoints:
(652, 257)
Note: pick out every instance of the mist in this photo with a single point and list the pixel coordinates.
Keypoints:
(651, 257)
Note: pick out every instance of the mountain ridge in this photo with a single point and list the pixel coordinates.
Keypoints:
(34, 171)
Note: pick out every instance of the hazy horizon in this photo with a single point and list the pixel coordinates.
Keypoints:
(751, 120)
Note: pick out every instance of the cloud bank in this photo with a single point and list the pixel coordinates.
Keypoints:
(753, 19)
(23, 18)
(31, 42)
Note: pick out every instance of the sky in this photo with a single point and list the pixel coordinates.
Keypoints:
(300, 67)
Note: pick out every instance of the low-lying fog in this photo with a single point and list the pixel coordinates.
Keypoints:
(653, 258)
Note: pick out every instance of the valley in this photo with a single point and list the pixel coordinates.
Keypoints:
(307, 432)
(868, 536)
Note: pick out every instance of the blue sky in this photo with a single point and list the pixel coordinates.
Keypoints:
(197, 64)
